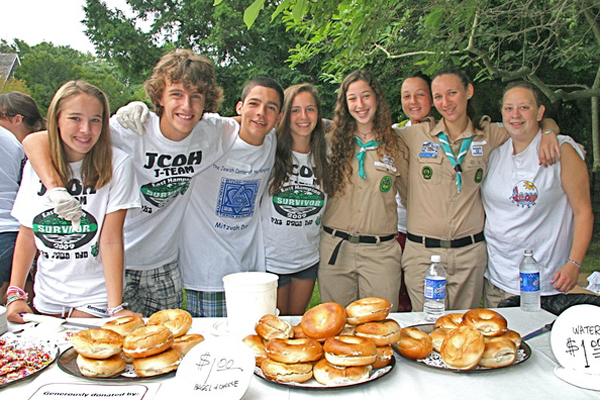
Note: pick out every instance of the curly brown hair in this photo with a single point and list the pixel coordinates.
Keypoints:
(195, 72)
(344, 129)
(318, 147)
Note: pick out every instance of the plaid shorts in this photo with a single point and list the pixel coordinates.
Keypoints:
(150, 291)
(206, 304)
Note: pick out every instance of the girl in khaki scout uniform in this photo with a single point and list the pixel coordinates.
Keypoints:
(444, 168)
(359, 256)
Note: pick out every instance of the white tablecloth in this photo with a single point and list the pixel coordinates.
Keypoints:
(533, 379)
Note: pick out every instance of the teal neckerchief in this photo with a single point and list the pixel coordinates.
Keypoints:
(372, 145)
(464, 148)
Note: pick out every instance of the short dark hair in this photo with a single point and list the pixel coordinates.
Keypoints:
(537, 94)
(265, 82)
(420, 75)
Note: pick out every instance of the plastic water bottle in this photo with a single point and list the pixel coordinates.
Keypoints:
(529, 275)
(435, 290)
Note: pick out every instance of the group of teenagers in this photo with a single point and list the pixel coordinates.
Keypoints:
(126, 212)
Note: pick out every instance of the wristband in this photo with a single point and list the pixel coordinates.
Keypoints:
(112, 311)
(547, 132)
(574, 262)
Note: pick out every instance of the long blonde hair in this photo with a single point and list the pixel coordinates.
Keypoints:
(96, 169)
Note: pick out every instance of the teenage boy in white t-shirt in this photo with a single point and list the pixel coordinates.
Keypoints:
(225, 204)
(181, 141)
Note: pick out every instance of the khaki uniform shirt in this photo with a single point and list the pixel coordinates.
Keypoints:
(429, 190)
(367, 206)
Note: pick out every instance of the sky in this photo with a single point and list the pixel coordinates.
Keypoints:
(56, 21)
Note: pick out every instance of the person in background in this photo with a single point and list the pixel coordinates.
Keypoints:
(547, 210)
(224, 208)
(416, 101)
(80, 269)
(292, 212)
(443, 168)
(358, 255)
(19, 116)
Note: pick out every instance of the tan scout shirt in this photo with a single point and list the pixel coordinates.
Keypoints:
(434, 207)
(367, 206)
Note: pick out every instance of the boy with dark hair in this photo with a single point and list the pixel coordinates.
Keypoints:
(224, 205)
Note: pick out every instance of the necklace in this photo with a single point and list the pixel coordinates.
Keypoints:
(365, 135)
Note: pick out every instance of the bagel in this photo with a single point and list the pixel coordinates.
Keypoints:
(384, 356)
(179, 322)
(349, 330)
(185, 343)
(105, 368)
(514, 336)
(488, 322)
(323, 321)
(414, 344)
(258, 348)
(350, 351)
(157, 364)
(271, 327)
(381, 333)
(452, 321)
(499, 352)
(124, 325)
(285, 373)
(97, 343)
(147, 341)
(437, 337)
(298, 332)
(331, 375)
(368, 309)
(463, 347)
(291, 351)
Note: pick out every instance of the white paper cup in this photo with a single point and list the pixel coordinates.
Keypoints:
(248, 296)
(3, 321)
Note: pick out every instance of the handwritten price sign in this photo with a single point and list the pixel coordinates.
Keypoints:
(216, 369)
(576, 339)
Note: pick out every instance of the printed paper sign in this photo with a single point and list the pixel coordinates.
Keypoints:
(90, 391)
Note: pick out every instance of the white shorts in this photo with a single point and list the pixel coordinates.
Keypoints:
(97, 310)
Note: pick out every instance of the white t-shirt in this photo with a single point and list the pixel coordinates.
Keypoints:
(221, 231)
(526, 208)
(70, 271)
(12, 157)
(291, 220)
(164, 169)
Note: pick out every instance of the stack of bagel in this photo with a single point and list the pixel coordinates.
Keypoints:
(333, 344)
(464, 341)
(154, 348)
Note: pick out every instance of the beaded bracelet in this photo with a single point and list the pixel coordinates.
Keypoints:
(574, 262)
(112, 311)
(14, 293)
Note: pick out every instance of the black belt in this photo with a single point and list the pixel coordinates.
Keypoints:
(352, 238)
(446, 244)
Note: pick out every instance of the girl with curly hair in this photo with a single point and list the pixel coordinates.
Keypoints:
(359, 257)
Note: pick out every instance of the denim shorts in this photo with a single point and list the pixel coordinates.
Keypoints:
(7, 248)
(308, 273)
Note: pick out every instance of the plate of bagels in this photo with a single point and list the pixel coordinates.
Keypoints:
(128, 348)
(332, 347)
(478, 340)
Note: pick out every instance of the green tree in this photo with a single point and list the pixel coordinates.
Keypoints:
(45, 67)
(217, 32)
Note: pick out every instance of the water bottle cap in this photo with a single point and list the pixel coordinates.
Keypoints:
(436, 258)
(528, 252)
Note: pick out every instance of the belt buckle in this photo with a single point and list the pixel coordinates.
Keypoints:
(445, 244)
(352, 238)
